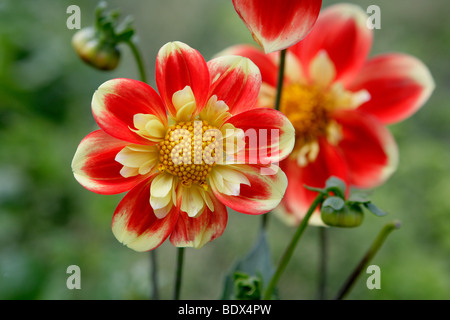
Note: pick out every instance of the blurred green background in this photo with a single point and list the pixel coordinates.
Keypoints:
(49, 222)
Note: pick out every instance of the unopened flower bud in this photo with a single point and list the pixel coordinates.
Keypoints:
(348, 216)
(247, 287)
(94, 51)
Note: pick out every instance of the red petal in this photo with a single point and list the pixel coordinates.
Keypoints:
(95, 168)
(178, 66)
(342, 32)
(329, 162)
(135, 224)
(263, 147)
(266, 65)
(398, 84)
(236, 81)
(117, 101)
(196, 232)
(368, 148)
(264, 193)
(277, 25)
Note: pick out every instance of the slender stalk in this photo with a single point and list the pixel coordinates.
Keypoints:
(290, 249)
(264, 221)
(323, 243)
(281, 70)
(154, 275)
(178, 274)
(138, 57)
(378, 242)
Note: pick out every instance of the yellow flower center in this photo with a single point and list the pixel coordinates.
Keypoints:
(308, 108)
(189, 151)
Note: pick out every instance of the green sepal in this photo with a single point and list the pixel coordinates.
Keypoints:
(337, 186)
(374, 209)
(335, 203)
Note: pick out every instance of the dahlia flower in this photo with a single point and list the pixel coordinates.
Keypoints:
(339, 101)
(167, 150)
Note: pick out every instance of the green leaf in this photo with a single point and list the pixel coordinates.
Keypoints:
(374, 209)
(335, 203)
(257, 263)
(336, 185)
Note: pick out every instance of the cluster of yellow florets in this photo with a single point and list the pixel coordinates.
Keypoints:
(308, 110)
(189, 151)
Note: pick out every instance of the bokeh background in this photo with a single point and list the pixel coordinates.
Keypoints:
(49, 222)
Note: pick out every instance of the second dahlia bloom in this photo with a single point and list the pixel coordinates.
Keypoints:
(167, 149)
(340, 102)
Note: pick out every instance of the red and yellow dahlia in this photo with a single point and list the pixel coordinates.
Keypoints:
(340, 102)
(166, 149)
(277, 25)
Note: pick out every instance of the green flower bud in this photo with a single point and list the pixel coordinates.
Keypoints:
(94, 51)
(348, 216)
(247, 287)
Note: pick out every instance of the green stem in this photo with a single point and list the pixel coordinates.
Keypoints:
(323, 243)
(281, 70)
(264, 221)
(179, 274)
(290, 249)
(139, 61)
(378, 242)
(154, 275)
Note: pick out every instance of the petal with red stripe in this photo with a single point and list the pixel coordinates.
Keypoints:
(266, 65)
(263, 192)
(277, 25)
(236, 81)
(201, 229)
(270, 136)
(135, 224)
(117, 101)
(178, 66)
(95, 168)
